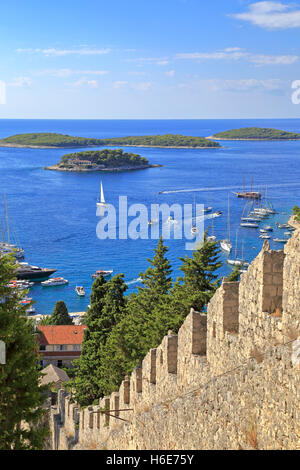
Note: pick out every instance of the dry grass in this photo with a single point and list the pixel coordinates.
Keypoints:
(251, 435)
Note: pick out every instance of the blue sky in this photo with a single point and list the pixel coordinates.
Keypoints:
(140, 59)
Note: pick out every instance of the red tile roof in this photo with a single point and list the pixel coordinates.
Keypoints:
(60, 334)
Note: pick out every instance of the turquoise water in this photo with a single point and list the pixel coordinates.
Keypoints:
(54, 213)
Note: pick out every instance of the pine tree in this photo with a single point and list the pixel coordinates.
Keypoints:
(234, 276)
(146, 322)
(60, 315)
(199, 283)
(107, 307)
(21, 397)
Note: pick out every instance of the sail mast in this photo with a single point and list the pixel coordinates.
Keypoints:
(6, 215)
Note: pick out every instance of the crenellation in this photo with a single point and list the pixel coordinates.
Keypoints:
(149, 376)
(229, 380)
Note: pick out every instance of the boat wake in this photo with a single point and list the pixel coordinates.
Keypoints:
(134, 281)
(223, 188)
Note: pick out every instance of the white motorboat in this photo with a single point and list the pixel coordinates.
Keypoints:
(101, 202)
(237, 262)
(265, 236)
(280, 240)
(268, 228)
(249, 224)
(102, 272)
(80, 291)
(55, 281)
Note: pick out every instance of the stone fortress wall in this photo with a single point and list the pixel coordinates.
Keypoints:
(229, 380)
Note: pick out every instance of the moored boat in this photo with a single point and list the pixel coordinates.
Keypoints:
(102, 272)
(55, 281)
(80, 291)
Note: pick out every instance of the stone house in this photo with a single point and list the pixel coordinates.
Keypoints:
(59, 344)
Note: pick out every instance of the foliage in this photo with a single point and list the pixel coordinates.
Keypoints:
(199, 283)
(234, 276)
(144, 325)
(106, 310)
(257, 133)
(166, 140)
(60, 140)
(107, 157)
(296, 212)
(60, 315)
(21, 398)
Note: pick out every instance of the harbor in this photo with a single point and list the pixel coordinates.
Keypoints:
(55, 217)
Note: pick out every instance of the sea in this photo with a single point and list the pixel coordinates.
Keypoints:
(53, 214)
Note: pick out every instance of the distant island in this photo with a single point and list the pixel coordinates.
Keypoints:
(53, 140)
(255, 133)
(101, 160)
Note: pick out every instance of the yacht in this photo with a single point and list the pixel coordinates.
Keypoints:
(80, 291)
(249, 224)
(28, 272)
(264, 236)
(55, 281)
(268, 228)
(102, 272)
(280, 240)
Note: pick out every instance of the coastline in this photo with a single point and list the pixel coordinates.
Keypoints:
(89, 170)
(211, 137)
(3, 144)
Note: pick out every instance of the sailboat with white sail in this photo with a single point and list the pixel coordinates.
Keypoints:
(8, 247)
(101, 202)
(236, 261)
(226, 244)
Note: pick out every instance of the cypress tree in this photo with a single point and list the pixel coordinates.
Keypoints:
(199, 283)
(106, 308)
(60, 315)
(21, 397)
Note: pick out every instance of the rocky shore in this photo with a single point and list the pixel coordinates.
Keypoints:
(99, 168)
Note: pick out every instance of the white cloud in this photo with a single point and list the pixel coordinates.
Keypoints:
(21, 82)
(86, 82)
(150, 60)
(236, 54)
(140, 86)
(64, 52)
(240, 85)
(119, 84)
(143, 86)
(69, 72)
(170, 73)
(271, 15)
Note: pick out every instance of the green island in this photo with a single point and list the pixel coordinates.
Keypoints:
(255, 133)
(53, 140)
(101, 160)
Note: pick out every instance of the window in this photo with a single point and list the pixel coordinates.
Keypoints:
(76, 347)
(59, 363)
(61, 347)
(42, 347)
